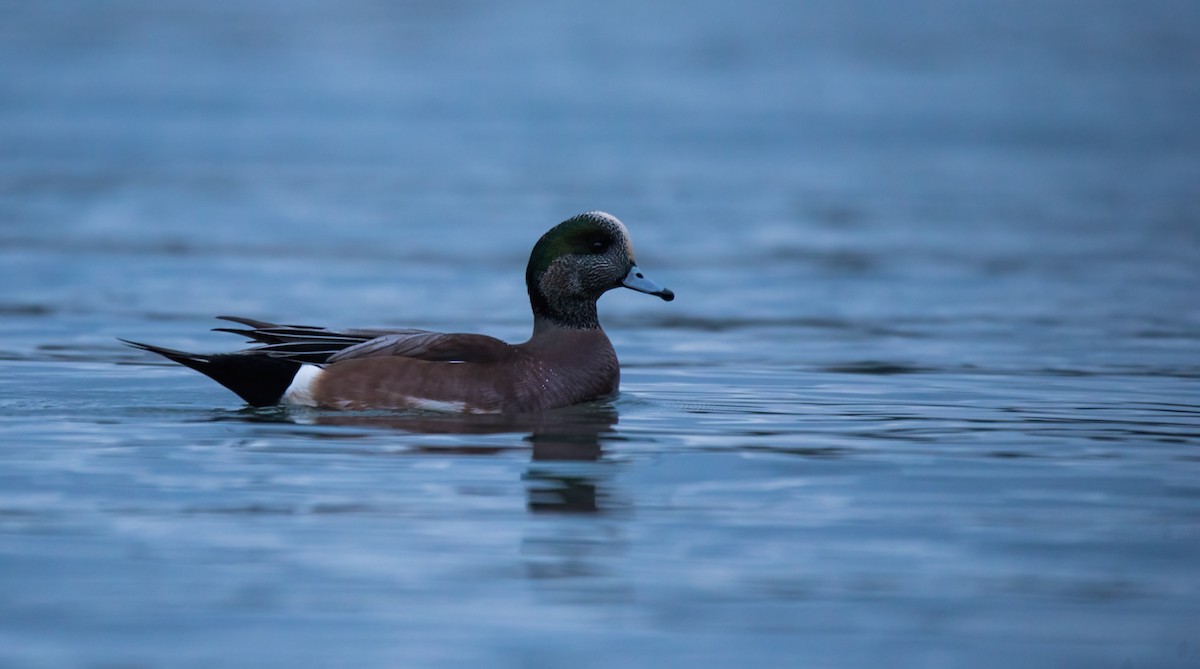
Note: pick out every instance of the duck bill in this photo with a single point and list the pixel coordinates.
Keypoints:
(637, 281)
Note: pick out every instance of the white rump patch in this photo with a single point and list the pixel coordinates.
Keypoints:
(300, 392)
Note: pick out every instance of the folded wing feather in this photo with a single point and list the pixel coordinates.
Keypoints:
(316, 345)
(431, 346)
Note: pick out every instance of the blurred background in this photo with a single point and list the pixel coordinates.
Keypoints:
(928, 395)
(1006, 143)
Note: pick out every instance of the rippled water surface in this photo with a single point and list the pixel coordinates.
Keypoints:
(929, 395)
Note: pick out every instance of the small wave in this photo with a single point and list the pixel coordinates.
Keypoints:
(878, 367)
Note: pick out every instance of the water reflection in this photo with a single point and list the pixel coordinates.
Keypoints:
(553, 488)
(551, 491)
(570, 435)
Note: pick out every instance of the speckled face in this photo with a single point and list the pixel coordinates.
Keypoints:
(581, 257)
(574, 263)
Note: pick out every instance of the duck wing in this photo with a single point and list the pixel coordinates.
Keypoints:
(317, 345)
(430, 346)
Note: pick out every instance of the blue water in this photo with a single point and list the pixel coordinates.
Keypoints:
(929, 395)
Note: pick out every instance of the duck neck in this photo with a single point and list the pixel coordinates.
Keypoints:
(572, 315)
(575, 312)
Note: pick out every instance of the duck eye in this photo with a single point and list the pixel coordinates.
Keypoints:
(599, 246)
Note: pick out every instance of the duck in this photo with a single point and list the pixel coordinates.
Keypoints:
(567, 360)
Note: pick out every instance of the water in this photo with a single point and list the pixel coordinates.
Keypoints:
(930, 394)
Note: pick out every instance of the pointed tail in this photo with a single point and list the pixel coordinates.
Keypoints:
(261, 380)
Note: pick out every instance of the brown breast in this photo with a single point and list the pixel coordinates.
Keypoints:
(551, 370)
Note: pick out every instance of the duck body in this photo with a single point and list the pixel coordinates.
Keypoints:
(560, 368)
(567, 360)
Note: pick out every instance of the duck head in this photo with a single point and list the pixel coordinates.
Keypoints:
(579, 260)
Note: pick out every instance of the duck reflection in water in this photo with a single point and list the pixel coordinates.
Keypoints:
(569, 435)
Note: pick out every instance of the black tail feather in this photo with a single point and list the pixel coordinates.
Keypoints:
(260, 380)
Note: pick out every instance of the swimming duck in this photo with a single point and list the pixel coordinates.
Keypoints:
(567, 360)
